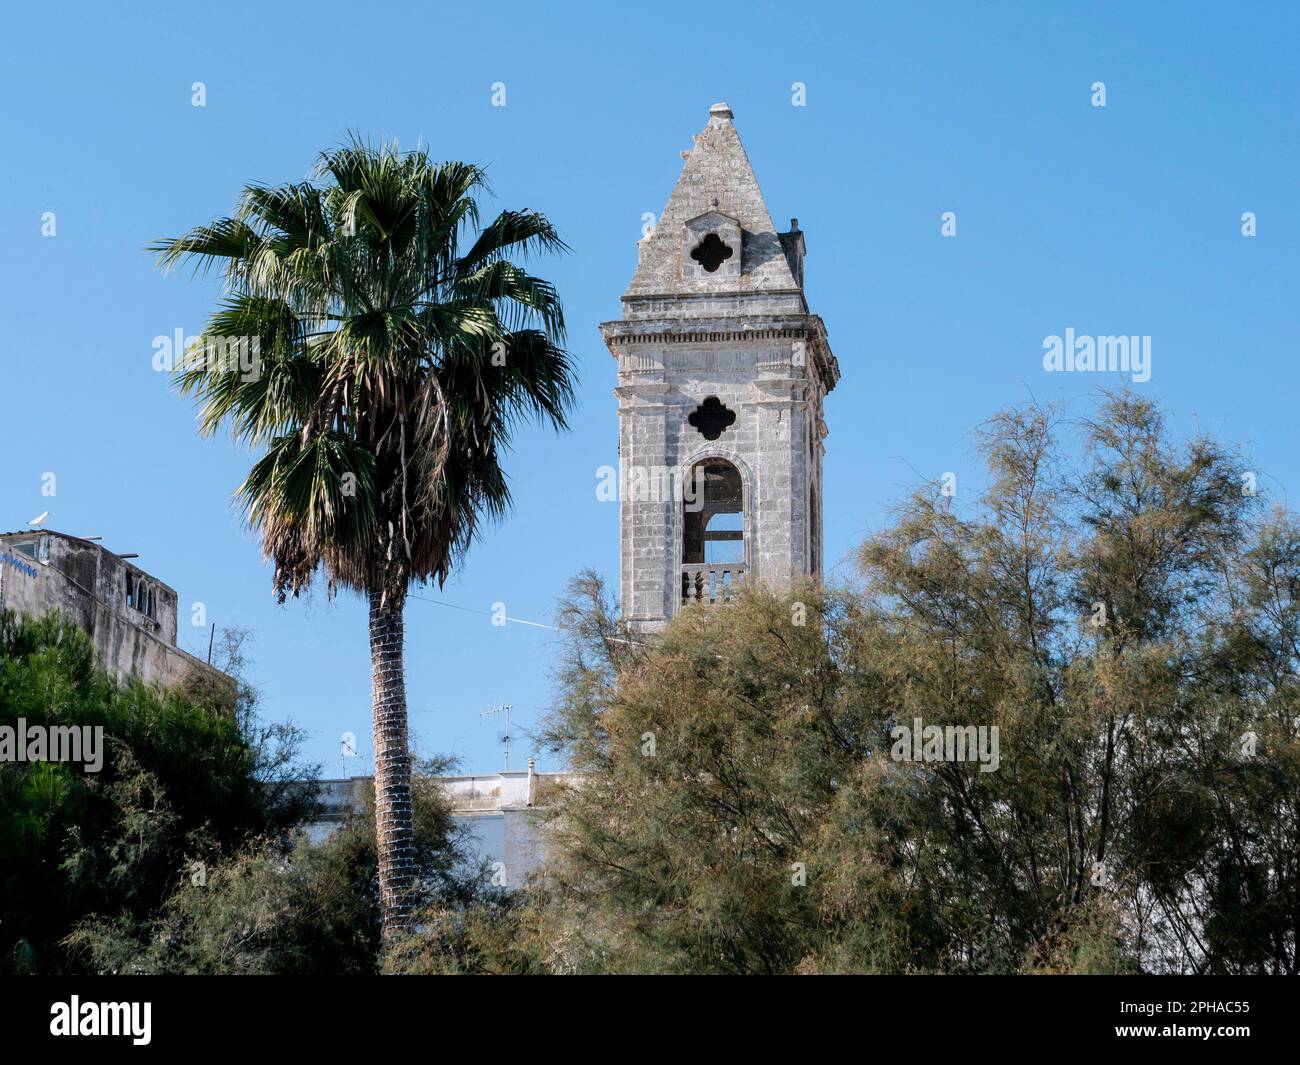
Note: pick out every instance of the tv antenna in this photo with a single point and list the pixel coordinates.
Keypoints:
(503, 708)
(347, 749)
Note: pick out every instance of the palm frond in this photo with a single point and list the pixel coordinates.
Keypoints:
(388, 361)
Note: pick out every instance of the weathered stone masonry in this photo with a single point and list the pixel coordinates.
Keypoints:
(129, 614)
(721, 369)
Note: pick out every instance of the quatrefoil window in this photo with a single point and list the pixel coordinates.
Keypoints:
(711, 252)
(711, 418)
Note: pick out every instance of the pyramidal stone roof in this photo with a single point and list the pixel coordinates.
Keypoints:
(716, 177)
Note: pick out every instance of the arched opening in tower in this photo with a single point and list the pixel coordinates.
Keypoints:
(715, 520)
(713, 539)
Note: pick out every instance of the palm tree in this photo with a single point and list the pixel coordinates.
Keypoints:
(391, 365)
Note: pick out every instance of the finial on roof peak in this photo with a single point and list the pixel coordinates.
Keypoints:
(720, 110)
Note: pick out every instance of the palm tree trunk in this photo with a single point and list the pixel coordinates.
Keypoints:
(393, 832)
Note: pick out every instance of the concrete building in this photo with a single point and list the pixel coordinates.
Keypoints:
(722, 374)
(129, 615)
(499, 809)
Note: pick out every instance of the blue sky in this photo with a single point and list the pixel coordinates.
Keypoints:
(1117, 220)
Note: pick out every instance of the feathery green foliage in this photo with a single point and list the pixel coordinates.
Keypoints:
(181, 780)
(1130, 622)
(281, 905)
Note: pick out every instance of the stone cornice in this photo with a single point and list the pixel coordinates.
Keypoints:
(624, 333)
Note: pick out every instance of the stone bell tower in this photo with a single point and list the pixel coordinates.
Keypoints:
(722, 375)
